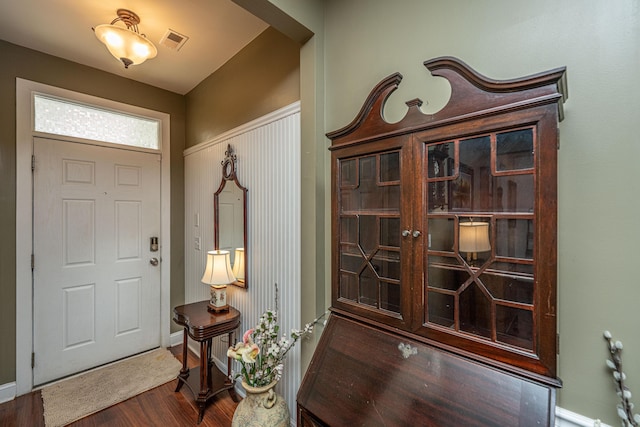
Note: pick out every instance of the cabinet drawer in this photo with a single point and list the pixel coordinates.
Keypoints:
(359, 376)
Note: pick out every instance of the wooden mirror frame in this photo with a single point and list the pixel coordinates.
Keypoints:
(229, 169)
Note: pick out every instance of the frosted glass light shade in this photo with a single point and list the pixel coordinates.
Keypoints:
(474, 237)
(126, 45)
(238, 264)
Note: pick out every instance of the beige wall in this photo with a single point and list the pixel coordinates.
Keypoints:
(35, 66)
(599, 42)
(261, 78)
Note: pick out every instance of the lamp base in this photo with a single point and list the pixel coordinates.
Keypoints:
(215, 309)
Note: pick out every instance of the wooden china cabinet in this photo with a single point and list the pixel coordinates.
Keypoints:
(443, 260)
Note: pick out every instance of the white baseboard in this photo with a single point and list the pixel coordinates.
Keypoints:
(8, 392)
(175, 338)
(566, 418)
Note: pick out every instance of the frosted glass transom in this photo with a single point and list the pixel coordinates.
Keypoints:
(67, 118)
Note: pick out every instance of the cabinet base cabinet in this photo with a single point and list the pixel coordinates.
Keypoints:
(364, 376)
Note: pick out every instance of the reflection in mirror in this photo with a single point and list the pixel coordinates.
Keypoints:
(230, 218)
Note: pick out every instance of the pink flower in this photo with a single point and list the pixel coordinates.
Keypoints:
(246, 338)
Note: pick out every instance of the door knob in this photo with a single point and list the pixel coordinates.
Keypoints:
(153, 261)
(416, 233)
(405, 233)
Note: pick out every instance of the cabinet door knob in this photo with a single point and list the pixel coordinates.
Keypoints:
(416, 233)
(405, 233)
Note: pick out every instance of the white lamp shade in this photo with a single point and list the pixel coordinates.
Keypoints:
(218, 270)
(238, 264)
(125, 45)
(474, 237)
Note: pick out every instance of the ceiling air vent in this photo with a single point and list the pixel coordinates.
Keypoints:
(173, 40)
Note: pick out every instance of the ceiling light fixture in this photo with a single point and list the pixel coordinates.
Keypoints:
(126, 44)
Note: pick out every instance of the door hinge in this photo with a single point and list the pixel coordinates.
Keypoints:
(557, 343)
(33, 262)
(33, 360)
(33, 163)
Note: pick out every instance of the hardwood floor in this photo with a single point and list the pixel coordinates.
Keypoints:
(160, 406)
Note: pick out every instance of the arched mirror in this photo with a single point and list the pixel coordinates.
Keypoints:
(230, 218)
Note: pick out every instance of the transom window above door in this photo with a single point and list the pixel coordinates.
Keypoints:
(67, 118)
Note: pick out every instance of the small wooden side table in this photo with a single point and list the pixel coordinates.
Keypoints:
(202, 326)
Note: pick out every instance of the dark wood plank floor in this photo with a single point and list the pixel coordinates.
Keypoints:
(160, 406)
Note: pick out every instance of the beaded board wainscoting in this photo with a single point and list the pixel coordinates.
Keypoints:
(268, 165)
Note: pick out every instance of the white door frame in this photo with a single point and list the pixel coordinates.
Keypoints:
(24, 217)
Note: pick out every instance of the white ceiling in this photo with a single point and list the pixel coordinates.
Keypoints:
(217, 30)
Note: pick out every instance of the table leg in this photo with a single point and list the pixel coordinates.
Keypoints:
(229, 380)
(204, 377)
(184, 372)
(209, 362)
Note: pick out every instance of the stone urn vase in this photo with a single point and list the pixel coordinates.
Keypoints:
(262, 407)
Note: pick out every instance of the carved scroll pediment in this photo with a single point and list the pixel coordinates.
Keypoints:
(472, 94)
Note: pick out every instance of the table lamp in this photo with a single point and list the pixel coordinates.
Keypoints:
(238, 264)
(218, 275)
(474, 238)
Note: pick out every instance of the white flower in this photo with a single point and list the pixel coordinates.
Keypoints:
(266, 350)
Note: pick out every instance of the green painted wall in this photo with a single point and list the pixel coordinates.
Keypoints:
(304, 22)
(35, 66)
(261, 78)
(599, 42)
(363, 41)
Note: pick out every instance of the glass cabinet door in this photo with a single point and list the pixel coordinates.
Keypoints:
(369, 233)
(479, 274)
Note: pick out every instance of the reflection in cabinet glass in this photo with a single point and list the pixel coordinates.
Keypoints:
(480, 230)
(369, 231)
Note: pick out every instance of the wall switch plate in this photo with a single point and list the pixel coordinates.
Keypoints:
(197, 243)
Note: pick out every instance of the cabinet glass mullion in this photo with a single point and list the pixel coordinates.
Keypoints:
(369, 231)
(481, 234)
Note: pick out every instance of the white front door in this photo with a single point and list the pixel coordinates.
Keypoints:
(96, 294)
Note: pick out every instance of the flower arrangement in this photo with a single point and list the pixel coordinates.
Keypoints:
(262, 351)
(625, 407)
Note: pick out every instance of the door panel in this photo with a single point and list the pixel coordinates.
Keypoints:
(96, 296)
